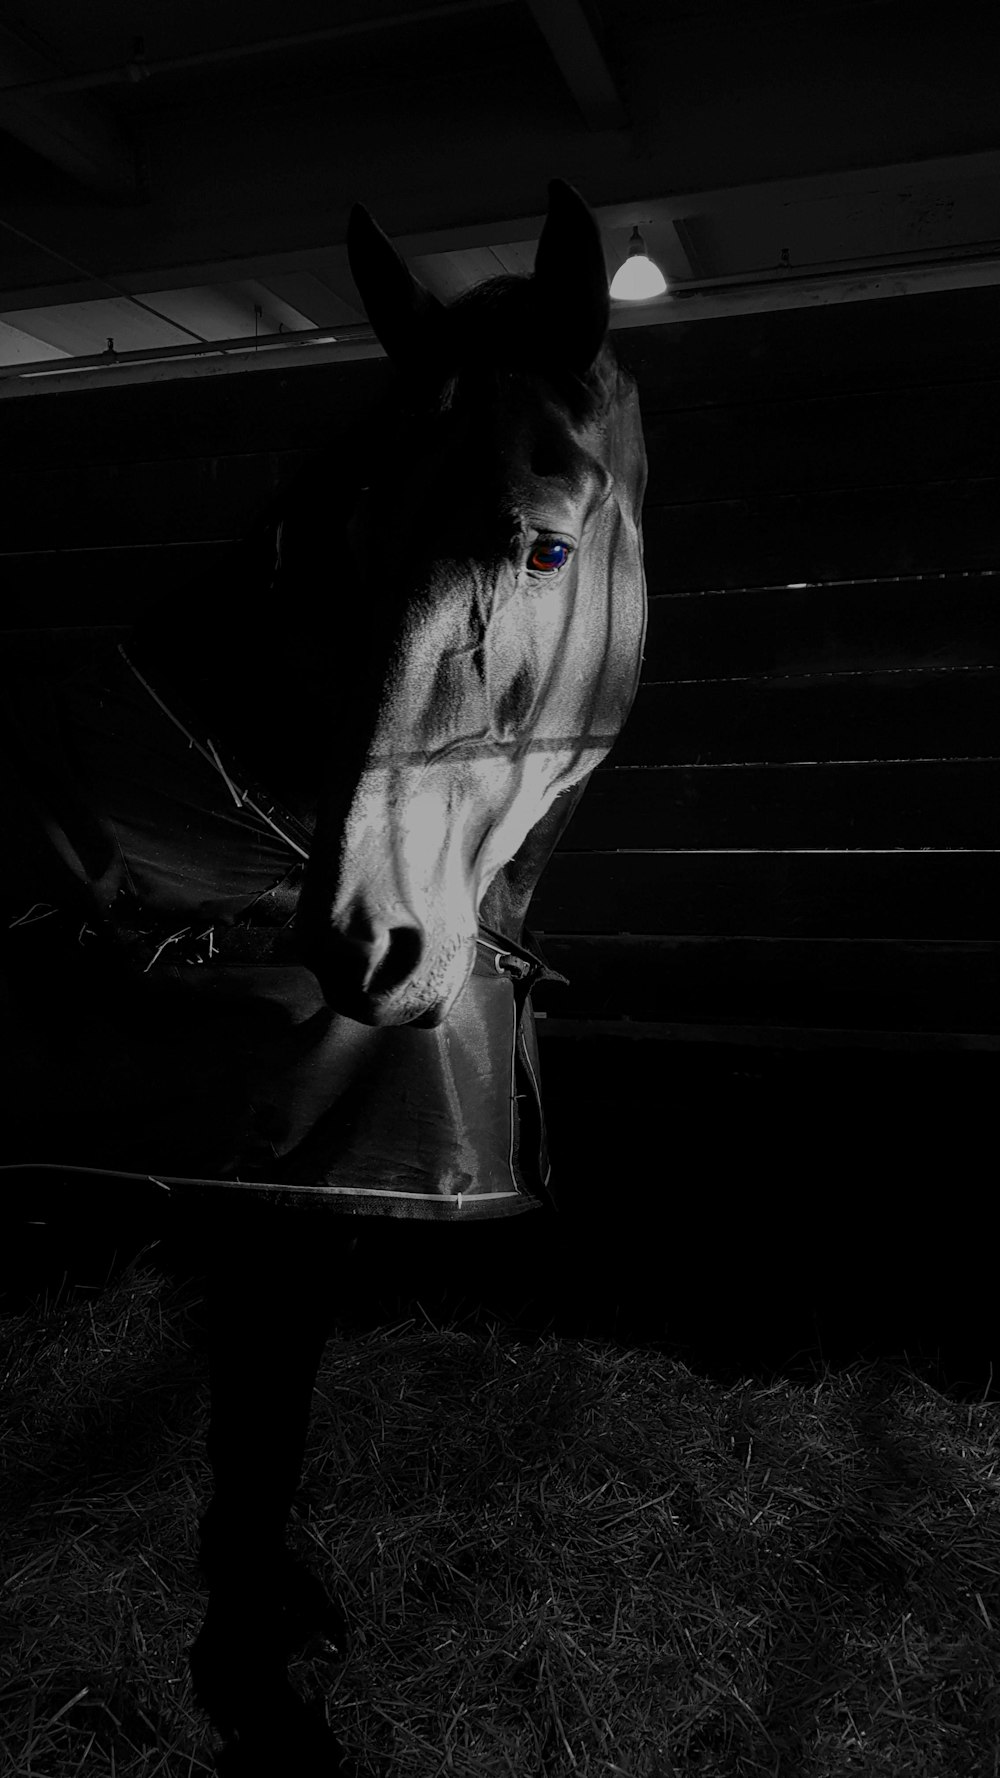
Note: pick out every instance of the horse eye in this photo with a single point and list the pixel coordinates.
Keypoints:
(547, 556)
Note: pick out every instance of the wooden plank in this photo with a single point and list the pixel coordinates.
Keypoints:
(697, 453)
(854, 534)
(904, 803)
(102, 585)
(793, 1037)
(932, 621)
(762, 360)
(887, 895)
(824, 441)
(85, 140)
(944, 337)
(297, 408)
(756, 358)
(936, 621)
(851, 983)
(858, 805)
(578, 53)
(200, 498)
(880, 716)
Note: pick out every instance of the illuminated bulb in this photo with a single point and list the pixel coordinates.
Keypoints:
(637, 278)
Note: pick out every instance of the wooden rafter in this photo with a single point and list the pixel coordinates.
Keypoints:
(577, 52)
(69, 131)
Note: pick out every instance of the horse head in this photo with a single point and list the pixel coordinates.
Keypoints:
(491, 616)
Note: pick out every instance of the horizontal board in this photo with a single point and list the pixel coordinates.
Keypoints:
(937, 621)
(887, 895)
(942, 337)
(935, 337)
(879, 716)
(807, 439)
(771, 541)
(816, 442)
(102, 585)
(816, 983)
(856, 805)
(747, 1041)
(933, 620)
(301, 408)
(908, 803)
(947, 716)
(857, 534)
(135, 502)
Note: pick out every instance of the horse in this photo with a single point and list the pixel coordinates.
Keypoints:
(302, 821)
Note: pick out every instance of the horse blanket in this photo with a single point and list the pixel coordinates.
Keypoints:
(159, 1022)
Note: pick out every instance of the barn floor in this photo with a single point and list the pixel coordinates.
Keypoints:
(557, 1555)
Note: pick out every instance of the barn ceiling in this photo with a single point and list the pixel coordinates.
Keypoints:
(177, 176)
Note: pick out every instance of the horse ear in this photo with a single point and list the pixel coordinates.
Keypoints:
(571, 281)
(400, 309)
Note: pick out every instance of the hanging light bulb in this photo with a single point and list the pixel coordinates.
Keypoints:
(638, 277)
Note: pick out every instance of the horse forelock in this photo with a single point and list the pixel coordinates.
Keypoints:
(493, 332)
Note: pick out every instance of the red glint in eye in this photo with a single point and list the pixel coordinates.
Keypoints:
(546, 556)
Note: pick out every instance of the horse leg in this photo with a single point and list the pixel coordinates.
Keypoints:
(268, 1322)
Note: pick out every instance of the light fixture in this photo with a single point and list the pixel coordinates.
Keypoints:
(638, 277)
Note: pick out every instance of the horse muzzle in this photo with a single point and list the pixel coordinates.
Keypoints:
(381, 972)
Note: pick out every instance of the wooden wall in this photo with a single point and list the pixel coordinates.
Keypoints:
(795, 842)
(799, 830)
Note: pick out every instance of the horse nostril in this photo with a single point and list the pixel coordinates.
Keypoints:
(362, 958)
(398, 956)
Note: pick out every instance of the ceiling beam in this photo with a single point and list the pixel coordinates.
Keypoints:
(321, 346)
(140, 67)
(71, 133)
(330, 260)
(577, 53)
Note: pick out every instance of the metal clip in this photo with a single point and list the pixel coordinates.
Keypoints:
(507, 964)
